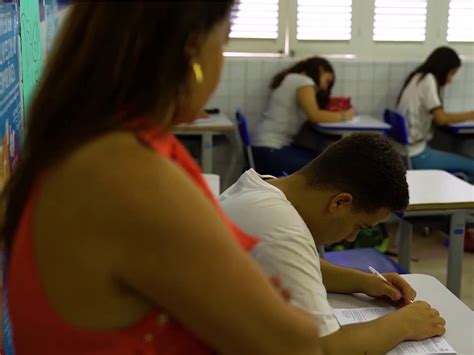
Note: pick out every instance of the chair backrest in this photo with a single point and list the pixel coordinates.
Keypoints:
(398, 132)
(245, 136)
(243, 128)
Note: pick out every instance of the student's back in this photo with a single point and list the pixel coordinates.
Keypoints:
(418, 100)
(284, 117)
(292, 102)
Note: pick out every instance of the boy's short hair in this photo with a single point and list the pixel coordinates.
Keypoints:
(366, 166)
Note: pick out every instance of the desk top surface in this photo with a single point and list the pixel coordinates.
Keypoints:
(213, 181)
(437, 189)
(459, 317)
(214, 123)
(361, 122)
(462, 128)
(466, 124)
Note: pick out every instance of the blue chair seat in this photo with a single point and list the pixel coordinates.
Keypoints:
(360, 259)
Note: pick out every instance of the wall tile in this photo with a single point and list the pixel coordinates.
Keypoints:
(238, 71)
(351, 72)
(351, 88)
(381, 71)
(254, 70)
(269, 69)
(236, 102)
(366, 71)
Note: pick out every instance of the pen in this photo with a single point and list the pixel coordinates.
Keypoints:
(378, 274)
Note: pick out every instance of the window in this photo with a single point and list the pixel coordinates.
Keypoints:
(324, 20)
(255, 19)
(461, 21)
(400, 20)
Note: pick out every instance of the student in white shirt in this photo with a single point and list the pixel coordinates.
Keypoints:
(299, 94)
(355, 183)
(421, 103)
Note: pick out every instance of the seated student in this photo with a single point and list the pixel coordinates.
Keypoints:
(294, 100)
(355, 183)
(421, 103)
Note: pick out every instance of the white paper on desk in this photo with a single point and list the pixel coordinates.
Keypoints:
(354, 119)
(436, 345)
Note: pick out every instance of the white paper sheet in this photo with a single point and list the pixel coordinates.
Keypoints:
(436, 345)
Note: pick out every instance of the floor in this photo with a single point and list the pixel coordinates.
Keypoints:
(430, 255)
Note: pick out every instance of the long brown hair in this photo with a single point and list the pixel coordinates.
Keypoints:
(439, 63)
(312, 67)
(112, 61)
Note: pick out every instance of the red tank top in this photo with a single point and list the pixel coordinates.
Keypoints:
(38, 329)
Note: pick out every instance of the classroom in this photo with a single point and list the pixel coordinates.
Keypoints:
(268, 177)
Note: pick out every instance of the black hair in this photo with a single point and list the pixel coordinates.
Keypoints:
(311, 67)
(439, 63)
(365, 165)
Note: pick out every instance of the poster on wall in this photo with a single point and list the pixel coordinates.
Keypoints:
(10, 91)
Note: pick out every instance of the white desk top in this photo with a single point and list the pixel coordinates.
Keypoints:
(213, 181)
(437, 189)
(466, 124)
(459, 318)
(462, 127)
(214, 123)
(358, 123)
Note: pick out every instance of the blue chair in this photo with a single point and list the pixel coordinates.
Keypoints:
(398, 132)
(360, 259)
(245, 136)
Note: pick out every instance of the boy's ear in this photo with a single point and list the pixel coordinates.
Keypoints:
(341, 200)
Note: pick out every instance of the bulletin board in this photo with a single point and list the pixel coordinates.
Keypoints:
(10, 90)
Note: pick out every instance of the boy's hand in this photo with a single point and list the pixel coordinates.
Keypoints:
(397, 291)
(420, 321)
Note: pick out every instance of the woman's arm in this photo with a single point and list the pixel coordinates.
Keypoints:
(175, 250)
(306, 98)
(441, 117)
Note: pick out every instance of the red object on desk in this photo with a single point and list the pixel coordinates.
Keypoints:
(339, 103)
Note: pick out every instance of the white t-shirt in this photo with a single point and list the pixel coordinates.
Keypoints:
(286, 249)
(284, 117)
(418, 99)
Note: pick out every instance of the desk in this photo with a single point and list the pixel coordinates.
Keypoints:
(459, 318)
(207, 128)
(362, 123)
(434, 193)
(213, 181)
(462, 128)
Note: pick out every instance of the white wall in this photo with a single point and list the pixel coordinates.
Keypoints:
(372, 85)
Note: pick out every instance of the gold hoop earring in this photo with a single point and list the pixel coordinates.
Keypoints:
(197, 69)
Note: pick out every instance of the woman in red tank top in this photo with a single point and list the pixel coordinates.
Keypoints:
(116, 246)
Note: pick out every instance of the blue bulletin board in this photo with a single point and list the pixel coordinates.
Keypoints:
(10, 90)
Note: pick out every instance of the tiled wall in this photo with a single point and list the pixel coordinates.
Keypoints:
(372, 86)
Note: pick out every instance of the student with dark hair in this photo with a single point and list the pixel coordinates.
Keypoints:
(299, 94)
(116, 244)
(420, 101)
(355, 183)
